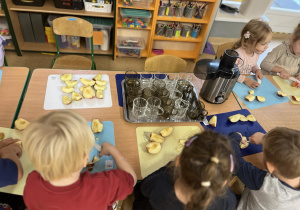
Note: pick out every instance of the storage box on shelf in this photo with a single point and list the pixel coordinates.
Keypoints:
(69, 4)
(134, 18)
(37, 3)
(130, 46)
(144, 4)
(98, 6)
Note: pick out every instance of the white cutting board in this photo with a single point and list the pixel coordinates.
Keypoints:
(53, 97)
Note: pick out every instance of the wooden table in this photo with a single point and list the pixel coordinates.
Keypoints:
(125, 133)
(12, 87)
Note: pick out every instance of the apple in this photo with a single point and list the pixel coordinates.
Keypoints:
(260, 98)
(2, 135)
(87, 82)
(296, 98)
(71, 83)
(243, 118)
(66, 77)
(250, 98)
(91, 164)
(243, 146)
(21, 124)
(99, 87)
(166, 132)
(97, 125)
(99, 94)
(281, 94)
(213, 121)
(156, 138)
(251, 118)
(251, 92)
(234, 118)
(67, 89)
(81, 88)
(66, 100)
(97, 77)
(95, 159)
(88, 92)
(153, 147)
(101, 82)
(294, 84)
(76, 96)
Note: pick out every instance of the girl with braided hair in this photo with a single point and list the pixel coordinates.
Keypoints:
(196, 180)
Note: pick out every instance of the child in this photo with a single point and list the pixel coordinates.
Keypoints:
(279, 187)
(196, 180)
(285, 58)
(255, 37)
(58, 145)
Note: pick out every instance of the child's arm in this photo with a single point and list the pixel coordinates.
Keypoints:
(250, 175)
(121, 162)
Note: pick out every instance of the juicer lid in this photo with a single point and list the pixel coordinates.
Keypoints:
(206, 66)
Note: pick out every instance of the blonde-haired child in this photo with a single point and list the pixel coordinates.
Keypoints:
(196, 180)
(255, 37)
(285, 58)
(58, 145)
(279, 187)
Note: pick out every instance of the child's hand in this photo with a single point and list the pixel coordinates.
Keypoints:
(251, 83)
(106, 149)
(11, 150)
(7, 142)
(256, 138)
(259, 74)
(284, 74)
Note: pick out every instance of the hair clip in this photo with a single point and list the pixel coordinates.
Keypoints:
(214, 159)
(205, 184)
(188, 142)
(231, 163)
(247, 35)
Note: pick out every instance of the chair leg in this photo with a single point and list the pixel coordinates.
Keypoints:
(93, 65)
(53, 61)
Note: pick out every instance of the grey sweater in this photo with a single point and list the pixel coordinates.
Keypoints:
(283, 57)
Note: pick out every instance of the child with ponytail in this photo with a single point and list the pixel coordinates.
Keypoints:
(197, 178)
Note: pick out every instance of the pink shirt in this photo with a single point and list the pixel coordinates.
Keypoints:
(250, 63)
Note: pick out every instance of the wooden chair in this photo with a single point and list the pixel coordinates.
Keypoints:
(73, 26)
(165, 63)
(221, 48)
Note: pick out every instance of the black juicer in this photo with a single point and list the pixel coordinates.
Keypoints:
(220, 76)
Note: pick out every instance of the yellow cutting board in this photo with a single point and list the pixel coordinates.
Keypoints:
(170, 148)
(18, 188)
(285, 86)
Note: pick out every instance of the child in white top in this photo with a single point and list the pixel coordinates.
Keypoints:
(255, 37)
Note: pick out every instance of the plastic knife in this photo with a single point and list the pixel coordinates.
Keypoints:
(291, 78)
(97, 147)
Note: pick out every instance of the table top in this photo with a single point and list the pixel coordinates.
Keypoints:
(11, 88)
(284, 114)
(125, 132)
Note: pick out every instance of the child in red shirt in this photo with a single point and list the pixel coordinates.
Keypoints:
(58, 145)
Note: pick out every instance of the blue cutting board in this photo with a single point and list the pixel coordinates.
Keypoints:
(0, 76)
(266, 89)
(107, 135)
(247, 129)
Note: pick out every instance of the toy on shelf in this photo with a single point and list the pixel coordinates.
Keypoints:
(135, 18)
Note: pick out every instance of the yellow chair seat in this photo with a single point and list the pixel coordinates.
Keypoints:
(72, 62)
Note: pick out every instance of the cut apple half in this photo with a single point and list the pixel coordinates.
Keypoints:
(97, 77)
(88, 92)
(2, 135)
(101, 82)
(234, 118)
(243, 118)
(250, 98)
(260, 98)
(99, 87)
(281, 94)
(21, 124)
(66, 100)
(66, 77)
(87, 82)
(67, 89)
(71, 83)
(251, 92)
(251, 118)
(99, 94)
(156, 138)
(213, 121)
(296, 98)
(153, 147)
(97, 125)
(166, 132)
(76, 96)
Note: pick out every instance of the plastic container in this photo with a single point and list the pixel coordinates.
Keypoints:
(135, 18)
(69, 4)
(250, 8)
(195, 32)
(130, 46)
(100, 24)
(199, 13)
(4, 29)
(160, 29)
(169, 32)
(135, 3)
(189, 12)
(177, 32)
(97, 7)
(186, 31)
(8, 41)
(162, 10)
(179, 11)
(170, 11)
(37, 3)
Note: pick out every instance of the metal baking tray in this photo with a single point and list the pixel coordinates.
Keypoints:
(132, 119)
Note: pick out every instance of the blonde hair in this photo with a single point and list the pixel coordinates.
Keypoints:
(281, 147)
(258, 31)
(57, 144)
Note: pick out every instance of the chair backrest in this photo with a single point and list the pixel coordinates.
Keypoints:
(165, 63)
(221, 48)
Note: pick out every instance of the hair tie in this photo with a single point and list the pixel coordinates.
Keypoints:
(205, 184)
(231, 163)
(247, 35)
(214, 159)
(188, 142)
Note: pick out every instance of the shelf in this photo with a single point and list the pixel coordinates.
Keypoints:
(2, 14)
(151, 7)
(180, 53)
(177, 39)
(9, 47)
(182, 19)
(50, 8)
(120, 25)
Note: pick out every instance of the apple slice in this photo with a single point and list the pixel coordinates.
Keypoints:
(2, 135)
(21, 124)
(250, 98)
(166, 132)
(88, 92)
(91, 164)
(213, 121)
(66, 100)
(97, 125)
(95, 159)
(294, 84)
(251, 92)
(67, 89)
(99, 94)
(101, 82)
(296, 98)
(156, 138)
(97, 77)
(153, 147)
(71, 83)
(87, 82)
(76, 96)
(66, 77)
(243, 146)
(20, 144)
(99, 87)
(81, 88)
(281, 94)
(243, 118)
(234, 118)
(251, 118)
(260, 98)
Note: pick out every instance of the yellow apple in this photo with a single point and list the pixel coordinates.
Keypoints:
(251, 118)
(2, 135)
(101, 82)
(95, 159)
(99, 94)
(87, 82)
(296, 98)
(250, 98)
(166, 132)
(66, 100)
(156, 138)
(88, 92)
(281, 94)
(243, 146)
(97, 125)
(234, 118)
(67, 89)
(153, 147)
(99, 87)
(251, 92)
(260, 98)
(66, 77)
(243, 118)
(21, 124)
(76, 96)
(213, 121)
(97, 77)
(71, 83)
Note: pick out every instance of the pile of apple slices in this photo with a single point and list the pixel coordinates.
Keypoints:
(154, 146)
(239, 117)
(251, 97)
(87, 89)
